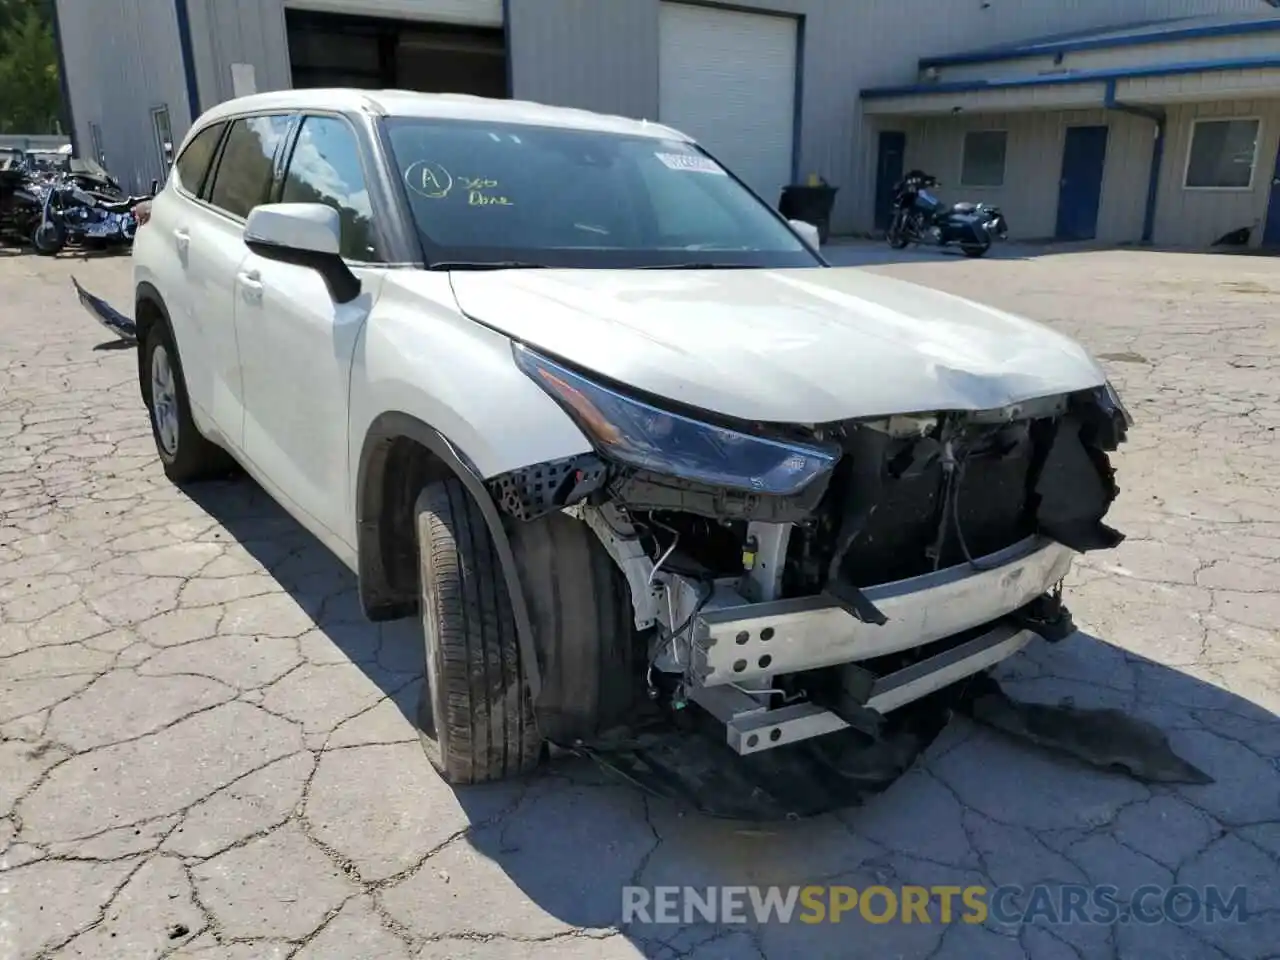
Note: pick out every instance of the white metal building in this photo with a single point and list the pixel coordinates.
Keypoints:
(1164, 132)
(778, 89)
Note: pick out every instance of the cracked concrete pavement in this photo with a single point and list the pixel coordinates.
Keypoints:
(205, 751)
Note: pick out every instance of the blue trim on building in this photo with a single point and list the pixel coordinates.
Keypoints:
(64, 86)
(1156, 115)
(506, 43)
(1081, 76)
(797, 111)
(188, 57)
(1048, 47)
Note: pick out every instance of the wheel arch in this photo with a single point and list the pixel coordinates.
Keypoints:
(148, 310)
(399, 456)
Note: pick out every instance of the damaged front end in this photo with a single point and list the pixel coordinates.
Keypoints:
(796, 581)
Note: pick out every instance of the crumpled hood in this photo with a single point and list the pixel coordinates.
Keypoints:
(782, 346)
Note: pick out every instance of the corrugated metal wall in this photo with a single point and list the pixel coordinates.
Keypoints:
(238, 31)
(603, 54)
(1033, 165)
(122, 58)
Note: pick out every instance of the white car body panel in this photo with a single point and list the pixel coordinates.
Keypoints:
(782, 346)
(421, 357)
(296, 349)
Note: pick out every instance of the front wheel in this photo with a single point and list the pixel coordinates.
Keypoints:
(49, 238)
(474, 713)
(896, 234)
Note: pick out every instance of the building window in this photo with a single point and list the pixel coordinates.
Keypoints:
(982, 163)
(164, 136)
(1222, 155)
(95, 141)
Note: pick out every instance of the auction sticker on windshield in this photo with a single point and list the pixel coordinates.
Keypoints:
(690, 162)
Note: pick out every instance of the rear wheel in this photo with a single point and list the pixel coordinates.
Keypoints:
(975, 249)
(186, 455)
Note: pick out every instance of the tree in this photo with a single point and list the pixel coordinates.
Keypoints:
(30, 101)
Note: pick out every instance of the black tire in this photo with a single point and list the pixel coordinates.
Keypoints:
(189, 457)
(475, 713)
(975, 249)
(49, 238)
(897, 239)
(580, 606)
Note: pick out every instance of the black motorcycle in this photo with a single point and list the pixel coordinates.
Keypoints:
(920, 217)
(72, 215)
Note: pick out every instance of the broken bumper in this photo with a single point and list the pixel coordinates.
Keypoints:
(735, 641)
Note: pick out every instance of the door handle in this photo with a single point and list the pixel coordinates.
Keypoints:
(251, 281)
(183, 240)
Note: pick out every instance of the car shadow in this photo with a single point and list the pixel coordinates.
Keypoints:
(977, 808)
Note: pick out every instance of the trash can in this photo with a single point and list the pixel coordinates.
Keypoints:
(810, 203)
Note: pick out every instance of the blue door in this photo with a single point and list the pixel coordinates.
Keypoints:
(889, 159)
(1084, 158)
(1271, 232)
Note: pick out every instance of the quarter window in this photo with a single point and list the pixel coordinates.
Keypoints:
(1222, 154)
(325, 168)
(984, 158)
(194, 162)
(244, 175)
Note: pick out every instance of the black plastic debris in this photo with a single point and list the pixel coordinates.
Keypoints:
(1102, 738)
(684, 757)
(107, 315)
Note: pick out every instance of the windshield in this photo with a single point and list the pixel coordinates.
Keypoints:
(484, 193)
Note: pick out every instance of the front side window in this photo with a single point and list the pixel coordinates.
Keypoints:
(194, 161)
(984, 158)
(1222, 154)
(325, 168)
(484, 192)
(244, 175)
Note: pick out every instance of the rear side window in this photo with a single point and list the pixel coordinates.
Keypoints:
(244, 175)
(325, 168)
(194, 162)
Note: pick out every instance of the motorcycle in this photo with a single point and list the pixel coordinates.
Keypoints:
(73, 215)
(920, 217)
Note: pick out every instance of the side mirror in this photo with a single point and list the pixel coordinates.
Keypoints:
(306, 235)
(808, 233)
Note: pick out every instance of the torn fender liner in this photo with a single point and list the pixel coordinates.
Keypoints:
(686, 758)
(1103, 738)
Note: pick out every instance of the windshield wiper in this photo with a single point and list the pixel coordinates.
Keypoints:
(702, 266)
(486, 265)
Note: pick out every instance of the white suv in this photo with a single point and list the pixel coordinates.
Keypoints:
(564, 384)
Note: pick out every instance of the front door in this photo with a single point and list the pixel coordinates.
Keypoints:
(891, 150)
(1084, 159)
(1271, 232)
(298, 344)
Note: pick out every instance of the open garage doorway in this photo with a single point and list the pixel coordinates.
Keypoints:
(337, 50)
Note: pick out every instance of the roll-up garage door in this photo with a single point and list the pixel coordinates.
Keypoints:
(728, 79)
(477, 13)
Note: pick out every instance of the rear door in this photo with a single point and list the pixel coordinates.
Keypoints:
(244, 176)
(167, 241)
(297, 344)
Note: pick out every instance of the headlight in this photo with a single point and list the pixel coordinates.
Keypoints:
(644, 436)
(1114, 396)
